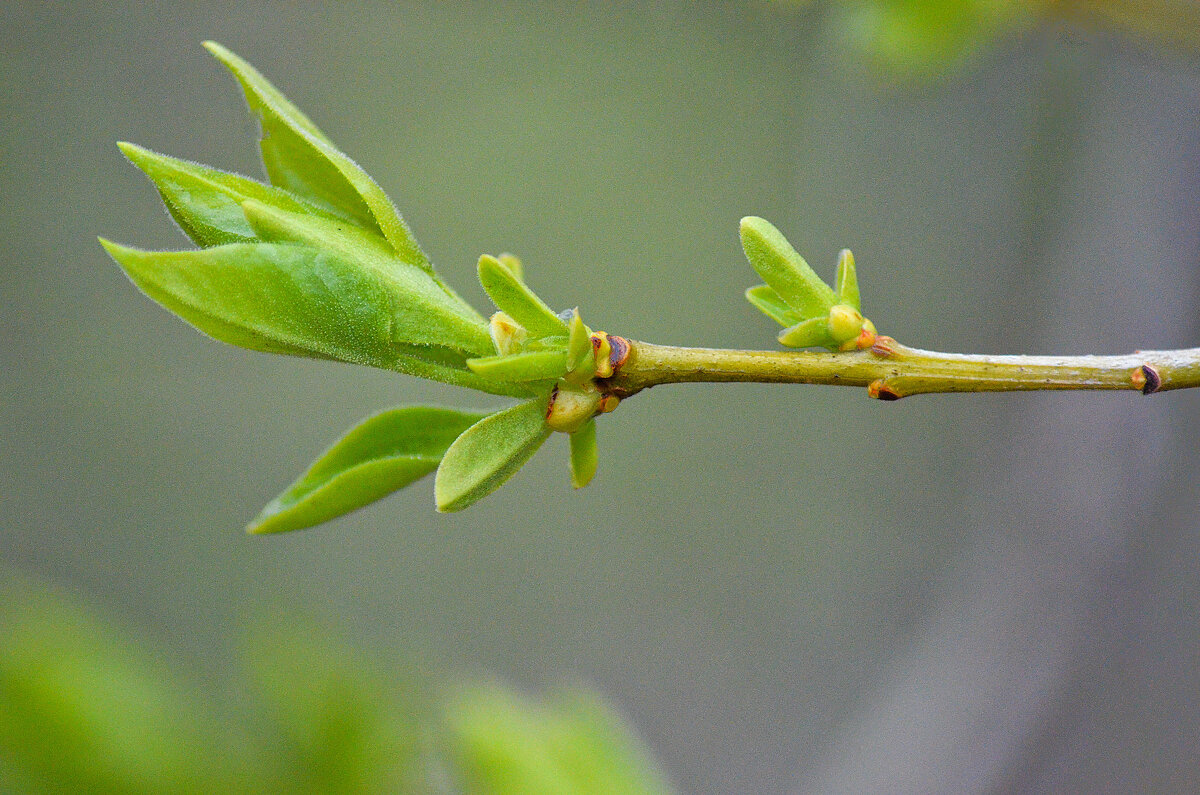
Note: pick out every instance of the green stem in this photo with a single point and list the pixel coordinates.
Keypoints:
(891, 371)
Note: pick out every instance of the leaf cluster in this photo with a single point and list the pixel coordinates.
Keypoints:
(317, 262)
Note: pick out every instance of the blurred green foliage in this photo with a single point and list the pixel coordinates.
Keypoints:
(85, 707)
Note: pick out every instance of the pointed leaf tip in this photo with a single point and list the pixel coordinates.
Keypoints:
(378, 456)
(301, 159)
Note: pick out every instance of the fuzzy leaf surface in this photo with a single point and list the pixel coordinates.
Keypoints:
(782, 267)
(205, 202)
(425, 313)
(301, 159)
(384, 453)
(489, 453)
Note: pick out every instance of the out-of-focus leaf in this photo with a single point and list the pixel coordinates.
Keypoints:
(489, 453)
(205, 202)
(331, 720)
(295, 299)
(510, 295)
(300, 158)
(781, 267)
(526, 366)
(585, 457)
(82, 710)
(768, 302)
(384, 453)
(508, 745)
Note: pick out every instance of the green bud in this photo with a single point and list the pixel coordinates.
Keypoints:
(571, 406)
(507, 334)
(845, 323)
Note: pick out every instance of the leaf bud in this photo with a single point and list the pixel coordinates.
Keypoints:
(571, 406)
(507, 333)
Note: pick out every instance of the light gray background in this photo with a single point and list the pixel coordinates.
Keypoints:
(784, 588)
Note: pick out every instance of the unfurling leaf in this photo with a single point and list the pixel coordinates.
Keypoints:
(489, 453)
(847, 280)
(527, 366)
(581, 363)
(299, 158)
(510, 295)
(384, 453)
(585, 457)
(205, 202)
(784, 269)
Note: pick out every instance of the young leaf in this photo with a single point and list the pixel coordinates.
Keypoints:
(527, 366)
(584, 455)
(580, 360)
(384, 453)
(510, 295)
(489, 453)
(299, 158)
(784, 269)
(808, 333)
(847, 280)
(767, 301)
(294, 299)
(205, 202)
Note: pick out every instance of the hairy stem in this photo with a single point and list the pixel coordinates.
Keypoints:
(891, 371)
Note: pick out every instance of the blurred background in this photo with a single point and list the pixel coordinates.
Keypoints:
(784, 589)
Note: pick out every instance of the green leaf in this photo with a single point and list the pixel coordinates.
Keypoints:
(511, 262)
(580, 361)
(584, 455)
(205, 202)
(807, 334)
(294, 299)
(301, 159)
(768, 302)
(847, 280)
(425, 313)
(784, 269)
(384, 453)
(510, 295)
(527, 366)
(489, 453)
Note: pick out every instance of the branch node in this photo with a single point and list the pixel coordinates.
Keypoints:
(884, 347)
(878, 390)
(1147, 379)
